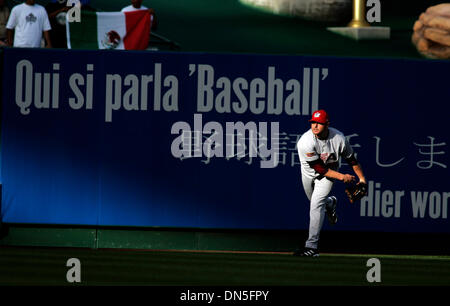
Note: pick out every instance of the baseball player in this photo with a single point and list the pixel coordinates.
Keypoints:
(320, 150)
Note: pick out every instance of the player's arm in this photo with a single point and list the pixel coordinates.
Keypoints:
(319, 166)
(356, 166)
(346, 178)
(359, 172)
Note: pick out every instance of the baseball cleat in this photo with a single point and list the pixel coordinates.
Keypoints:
(307, 252)
(331, 212)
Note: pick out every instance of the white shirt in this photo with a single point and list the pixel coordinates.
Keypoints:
(131, 8)
(330, 150)
(28, 21)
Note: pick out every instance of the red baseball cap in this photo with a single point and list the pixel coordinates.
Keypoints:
(319, 116)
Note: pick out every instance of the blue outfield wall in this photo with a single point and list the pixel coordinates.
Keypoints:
(119, 138)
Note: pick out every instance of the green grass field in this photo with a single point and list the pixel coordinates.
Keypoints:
(47, 266)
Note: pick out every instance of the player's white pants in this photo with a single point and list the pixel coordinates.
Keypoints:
(317, 192)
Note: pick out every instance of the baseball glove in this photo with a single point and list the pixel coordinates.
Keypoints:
(356, 192)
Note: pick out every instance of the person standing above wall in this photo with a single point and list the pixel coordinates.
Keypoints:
(28, 21)
(136, 5)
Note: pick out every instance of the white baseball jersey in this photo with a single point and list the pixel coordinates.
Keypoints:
(330, 150)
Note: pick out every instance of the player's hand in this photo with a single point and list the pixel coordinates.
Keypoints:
(431, 34)
(348, 178)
